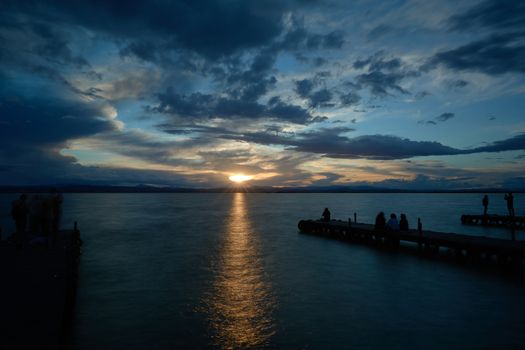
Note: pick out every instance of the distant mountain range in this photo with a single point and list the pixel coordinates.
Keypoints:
(247, 189)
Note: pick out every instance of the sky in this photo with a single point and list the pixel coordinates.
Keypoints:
(415, 94)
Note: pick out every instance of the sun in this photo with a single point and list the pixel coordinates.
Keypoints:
(239, 178)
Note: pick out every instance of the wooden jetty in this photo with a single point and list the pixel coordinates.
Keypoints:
(475, 247)
(516, 222)
(37, 292)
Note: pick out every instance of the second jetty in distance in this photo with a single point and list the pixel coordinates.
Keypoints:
(477, 248)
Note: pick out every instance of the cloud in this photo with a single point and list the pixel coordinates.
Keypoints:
(349, 99)
(34, 131)
(493, 55)
(332, 143)
(210, 28)
(320, 98)
(443, 117)
(457, 84)
(199, 106)
(512, 144)
(383, 74)
(493, 14)
(304, 87)
(500, 52)
(381, 83)
(50, 121)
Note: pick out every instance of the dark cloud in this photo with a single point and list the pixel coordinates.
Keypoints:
(333, 40)
(55, 48)
(48, 122)
(378, 62)
(457, 84)
(298, 38)
(500, 52)
(334, 144)
(383, 74)
(378, 31)
(211, 28)
(320, 98)
(493, 55)
(445, 116)
(199, 106)
(381, 83)
(34, 131)
(349, 99)
(492, 14)
(304, 87)
(513, 144)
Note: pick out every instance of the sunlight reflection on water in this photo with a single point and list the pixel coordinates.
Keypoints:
(241, 303)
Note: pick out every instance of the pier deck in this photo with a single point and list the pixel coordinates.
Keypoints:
(478, 247)
(516, 222)
(37, 292)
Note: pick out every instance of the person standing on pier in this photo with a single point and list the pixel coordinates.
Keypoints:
(392, 224)
(485, 202)
(380, 221)
(403, 223)
(510, 203)
(326, 215)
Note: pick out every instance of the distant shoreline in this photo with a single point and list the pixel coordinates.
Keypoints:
(153, 189)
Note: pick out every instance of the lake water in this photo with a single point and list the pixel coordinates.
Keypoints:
(169, 271)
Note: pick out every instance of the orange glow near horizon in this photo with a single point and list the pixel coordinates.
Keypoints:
(239, 178)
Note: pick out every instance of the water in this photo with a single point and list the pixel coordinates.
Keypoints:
(166, 271)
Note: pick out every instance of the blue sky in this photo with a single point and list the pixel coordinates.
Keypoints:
(404, 94)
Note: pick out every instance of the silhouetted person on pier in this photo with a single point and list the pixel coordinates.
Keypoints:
(403, 223)
(510, 203)
(19, 214)
(485, 202)
(380, 221)
(392, 223)
(326, 215)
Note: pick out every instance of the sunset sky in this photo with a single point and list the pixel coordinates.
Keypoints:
(402, 94)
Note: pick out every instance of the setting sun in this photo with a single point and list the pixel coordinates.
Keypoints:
(240, 178)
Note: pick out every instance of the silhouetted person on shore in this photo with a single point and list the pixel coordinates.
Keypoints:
(510, 203)
(380, 221)
(392, 223)
(403, 223)
(485, 202)
(19, 214)
(326, 215)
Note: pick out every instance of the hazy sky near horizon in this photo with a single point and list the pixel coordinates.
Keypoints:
(405, 94)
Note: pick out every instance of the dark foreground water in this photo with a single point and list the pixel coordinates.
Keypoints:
(169, 271)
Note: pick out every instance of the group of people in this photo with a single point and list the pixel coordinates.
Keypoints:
(509, 198)
(381, 224)
(39, 216)
(392, 224)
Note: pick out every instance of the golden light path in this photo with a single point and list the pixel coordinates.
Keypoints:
(240, 178)
(242, 303)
